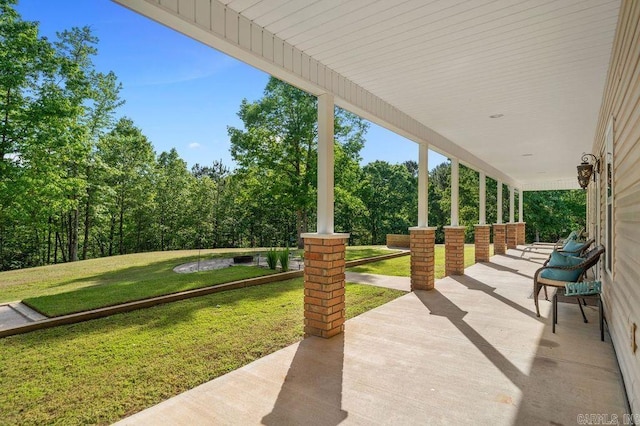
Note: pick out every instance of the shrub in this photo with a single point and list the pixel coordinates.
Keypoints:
(284, 259)
(272, 258)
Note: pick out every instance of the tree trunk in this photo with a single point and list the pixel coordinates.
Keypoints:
(61, 243)
(300, 227)
(101, 246)
(112, 230)
(2, 261)
(35, 252)
(138, 233)
(61, 235)
(73, 235)
(120, 231)
(55, 249)
(162, 232)
(49, 240)
(87, 226)
(374, 232)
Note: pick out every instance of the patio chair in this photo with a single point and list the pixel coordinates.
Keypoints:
(575, 248)
(573, 236)
(572, 248)
(560, 269)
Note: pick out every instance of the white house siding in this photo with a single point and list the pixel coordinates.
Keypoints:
(621, 101)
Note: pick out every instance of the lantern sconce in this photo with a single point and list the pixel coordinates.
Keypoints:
(590, 163)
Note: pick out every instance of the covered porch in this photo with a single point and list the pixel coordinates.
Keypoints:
(472, 350)
(516, 92)
(480, 83)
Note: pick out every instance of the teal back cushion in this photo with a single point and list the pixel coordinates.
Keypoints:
(559, 259)
(573, 246)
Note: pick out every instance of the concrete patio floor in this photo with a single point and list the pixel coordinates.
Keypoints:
(469, 352)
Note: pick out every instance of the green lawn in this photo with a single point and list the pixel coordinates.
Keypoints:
(361, 252)
(401, 266)
(79, 286)
(103, 370)
(32, 282)
(137, 283)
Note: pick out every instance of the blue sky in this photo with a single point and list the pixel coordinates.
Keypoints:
(181, 93)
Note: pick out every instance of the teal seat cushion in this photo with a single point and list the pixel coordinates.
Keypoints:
(573, 246)
(559, 259)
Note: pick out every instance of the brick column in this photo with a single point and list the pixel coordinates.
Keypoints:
(324, 281)
(521, 229)
(454, 250)
(499, 238)
(512, 235)
(483, 241)
(422, 246)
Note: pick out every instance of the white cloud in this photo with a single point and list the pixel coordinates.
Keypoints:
(194, 145)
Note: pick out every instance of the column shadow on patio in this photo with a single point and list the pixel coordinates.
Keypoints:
(539, 259)
(507, 269)
(440, 305)
(312, 390)
(473, 284)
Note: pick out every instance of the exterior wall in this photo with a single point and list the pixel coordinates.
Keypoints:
(621, 100)
(398, 240)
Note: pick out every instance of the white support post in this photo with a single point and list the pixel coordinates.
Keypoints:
(423, 185)
(483, 199)
(512, 192)
(325, 163)
(520, 206)
(455, 186)
(499, 206)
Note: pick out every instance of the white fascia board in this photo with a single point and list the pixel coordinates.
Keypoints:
(214, 24)
(551, 185)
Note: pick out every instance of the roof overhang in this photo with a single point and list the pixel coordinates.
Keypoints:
(434, 72)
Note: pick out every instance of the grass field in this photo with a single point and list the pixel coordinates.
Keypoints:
(32, 282)
(360, 252)
(139, 283)
(401, 266)
(103, 370)
(79, 286)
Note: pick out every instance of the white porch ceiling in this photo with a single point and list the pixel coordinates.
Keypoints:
(449, 65)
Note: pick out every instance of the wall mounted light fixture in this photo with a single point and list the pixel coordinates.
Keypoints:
(590, 163)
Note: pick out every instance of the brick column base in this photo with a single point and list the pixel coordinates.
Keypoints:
(483, 242)
(422, 244)
(512, 235)
(324, 281)
(454, 250)
(521, 229)
(499, 238)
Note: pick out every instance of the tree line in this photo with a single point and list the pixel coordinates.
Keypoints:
(76, 182)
